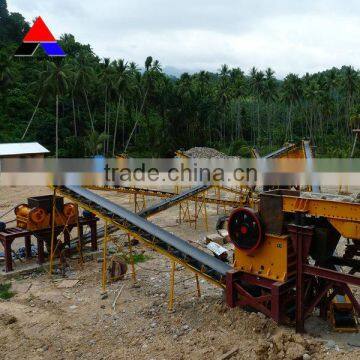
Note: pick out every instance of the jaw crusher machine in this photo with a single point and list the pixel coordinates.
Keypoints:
(286, 263)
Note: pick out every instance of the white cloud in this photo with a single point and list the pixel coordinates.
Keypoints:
(302, 36)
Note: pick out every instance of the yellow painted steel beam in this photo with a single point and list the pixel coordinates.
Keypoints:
(140, 238)
(344, 216)
(319, 207)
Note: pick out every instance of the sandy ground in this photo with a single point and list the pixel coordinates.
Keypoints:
(45, 321)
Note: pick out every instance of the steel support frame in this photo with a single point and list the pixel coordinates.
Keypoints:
(338, 282)
(269, 303)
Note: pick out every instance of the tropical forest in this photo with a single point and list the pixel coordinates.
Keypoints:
(84, 105)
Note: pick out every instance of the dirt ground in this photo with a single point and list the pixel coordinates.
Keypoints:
(44, 321)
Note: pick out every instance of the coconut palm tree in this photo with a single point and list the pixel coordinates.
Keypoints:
(257, 87)
(122, 87)
(291, 92)
(5, 70)
(349, 80)
(39, 89)
(106, 79)
(148, 81)
(56, 83)
(94, 143)
(269, 95)
(85, 75)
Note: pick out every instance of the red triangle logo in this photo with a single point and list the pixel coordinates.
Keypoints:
(39, 32)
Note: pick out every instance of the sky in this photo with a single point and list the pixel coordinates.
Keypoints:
(295, 36)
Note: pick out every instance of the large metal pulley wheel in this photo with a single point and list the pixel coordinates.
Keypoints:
(245, 230)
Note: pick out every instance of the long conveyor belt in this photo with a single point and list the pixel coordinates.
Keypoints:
(167, 194)
(167, 203)
(315, 187)
(159, 239)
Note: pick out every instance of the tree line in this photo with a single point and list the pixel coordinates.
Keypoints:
(82, 105)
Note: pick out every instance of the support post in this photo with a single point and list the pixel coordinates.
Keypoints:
(205, 214)
(197, 285)
(93, 230)
(8, 255)
(230, 292)
(172, 286)
(132, 263)
(104, 263)
(301, 237)
(28, 246)
(41, 253)
(275, 302)
(52, 245)
(80, 236)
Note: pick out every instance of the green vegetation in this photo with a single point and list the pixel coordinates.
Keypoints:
(5, 292)
(98, 106)
(138, 258)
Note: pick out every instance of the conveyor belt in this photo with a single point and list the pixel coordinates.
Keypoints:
(279, 152)
(167, 203)
(161, 240)
(134, 190)
(166, 194)
(315, 187)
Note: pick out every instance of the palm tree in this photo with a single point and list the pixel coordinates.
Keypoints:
(72, 77)
(122, 86)
(269, 95)
(84, 75)
(349, 81)
(56, 83)
(223, 97)
(224, 70)
(311, 93)
(106, 78)
(5, 70)
(40, 89)
(148, 78)
(94, 143)
(292, 91)
(257, 86)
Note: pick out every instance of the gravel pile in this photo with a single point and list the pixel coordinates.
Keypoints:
(205, 153)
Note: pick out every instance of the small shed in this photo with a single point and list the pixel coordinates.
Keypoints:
(23, 150)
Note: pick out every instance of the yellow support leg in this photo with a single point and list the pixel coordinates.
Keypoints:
(80, 241)
(52, 245)
(196, 212)
(132, 263)
(172, 286)
(205, 214)
(198, 286)
(104, 264)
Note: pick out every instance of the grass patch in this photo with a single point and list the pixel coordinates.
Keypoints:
(138, 258)
(5, 292)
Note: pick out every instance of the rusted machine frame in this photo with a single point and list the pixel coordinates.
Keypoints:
(270, 304)
(9, 235)
(331, 280)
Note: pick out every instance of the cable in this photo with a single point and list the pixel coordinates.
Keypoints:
(8, 212)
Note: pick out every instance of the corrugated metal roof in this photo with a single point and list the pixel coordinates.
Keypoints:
(22, 149)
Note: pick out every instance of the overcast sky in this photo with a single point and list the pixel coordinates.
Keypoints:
(290, 36)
